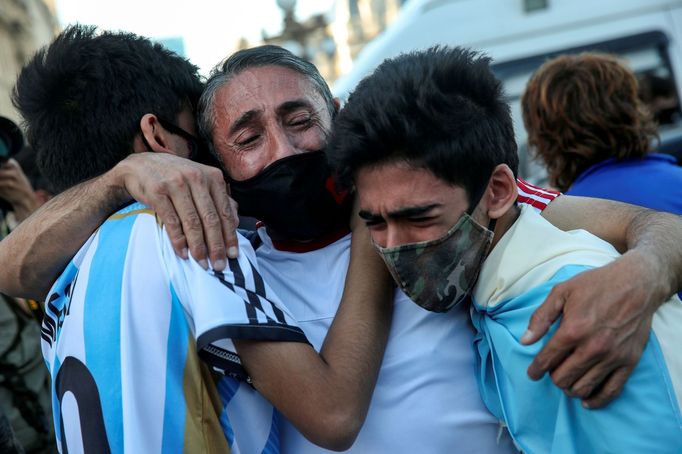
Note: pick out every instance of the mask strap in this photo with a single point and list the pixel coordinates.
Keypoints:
(491, 225)
(476, 200)
(474, 204)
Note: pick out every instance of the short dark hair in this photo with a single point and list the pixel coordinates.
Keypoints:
(255, 57)
(82, 98)
(440, 109)
(583, 109)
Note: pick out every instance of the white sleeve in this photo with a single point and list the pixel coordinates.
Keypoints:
(233, 304)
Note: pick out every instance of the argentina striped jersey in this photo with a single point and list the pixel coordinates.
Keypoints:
(138, 342)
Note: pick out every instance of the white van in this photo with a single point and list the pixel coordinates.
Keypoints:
(521, 34)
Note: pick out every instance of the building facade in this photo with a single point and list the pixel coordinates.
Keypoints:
(333, 40)
(25, 26)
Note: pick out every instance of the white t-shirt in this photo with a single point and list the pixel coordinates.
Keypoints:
(125, 326)
(426, 399)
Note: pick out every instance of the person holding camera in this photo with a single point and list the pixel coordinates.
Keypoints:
(17, 197)
(24, 381)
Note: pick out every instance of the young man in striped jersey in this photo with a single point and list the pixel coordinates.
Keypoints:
(130, 328)
(439, 195)
(426, 398)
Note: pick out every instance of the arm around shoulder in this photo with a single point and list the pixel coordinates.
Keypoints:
(607, 311)
(36, 252)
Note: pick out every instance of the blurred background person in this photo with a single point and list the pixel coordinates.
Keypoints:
(660, 96)
(22, 189)
(24, 380)
(587, 124)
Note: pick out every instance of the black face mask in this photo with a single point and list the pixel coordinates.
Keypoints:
(295, 197)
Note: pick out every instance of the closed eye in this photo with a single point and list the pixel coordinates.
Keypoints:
(246, 140)
(374, 222)
(422, 219)
(300, 120)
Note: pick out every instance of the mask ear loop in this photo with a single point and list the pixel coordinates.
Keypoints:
(475, 201)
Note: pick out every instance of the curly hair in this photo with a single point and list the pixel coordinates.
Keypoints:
(583, 109)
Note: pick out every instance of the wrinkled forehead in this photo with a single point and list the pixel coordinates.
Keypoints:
(265, 89)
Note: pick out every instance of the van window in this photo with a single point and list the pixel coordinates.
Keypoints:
(645, 53)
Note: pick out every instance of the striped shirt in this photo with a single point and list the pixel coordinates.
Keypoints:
(127, 326)
(535, 196)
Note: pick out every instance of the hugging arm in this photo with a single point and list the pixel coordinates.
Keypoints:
(606, 312)
(190, 198)
(327, 396)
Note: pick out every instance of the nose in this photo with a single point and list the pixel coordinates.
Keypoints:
(282, 145)
(393, 237)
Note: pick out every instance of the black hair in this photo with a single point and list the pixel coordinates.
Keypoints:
(440, 109)
(82, 98)
(255, 57)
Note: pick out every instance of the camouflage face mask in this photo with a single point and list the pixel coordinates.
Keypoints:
(439, 274)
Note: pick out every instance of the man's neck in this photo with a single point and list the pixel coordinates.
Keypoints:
(504, 223)
(282, 243)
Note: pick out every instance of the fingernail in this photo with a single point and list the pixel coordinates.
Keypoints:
(219, 265)
(203, 263)
(232, 252)
(527, 336)
(586, 405)
(185, 253)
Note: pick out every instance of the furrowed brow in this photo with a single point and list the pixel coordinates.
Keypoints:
(245, 119)
(370, 217)
(290, 106)
(412, 211)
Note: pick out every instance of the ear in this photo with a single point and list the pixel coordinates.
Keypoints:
(337, 105)
(502, 192)
(155, 136)
(42, 196)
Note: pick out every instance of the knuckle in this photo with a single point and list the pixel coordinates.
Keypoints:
(211, 219)
(226, 207)
(215, 175)
(564, 380)
(217, 251)
(194, 175)
(536, 318)
(540, 364)
(599, 346)
(558, 290)
(572, 332)
(193, 223)
(159, 189)
(584, 390)
(178, 240)
(611, 392)
(558, 381)
(177, 181)
(172, 222)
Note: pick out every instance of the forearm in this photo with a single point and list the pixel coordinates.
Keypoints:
(645, 237)
(356, 341)
(655, 239)
(326, 396)
(36, 252)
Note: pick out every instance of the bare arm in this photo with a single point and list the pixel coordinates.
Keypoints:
(327, 396)
(607, 311)
(190, 198)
